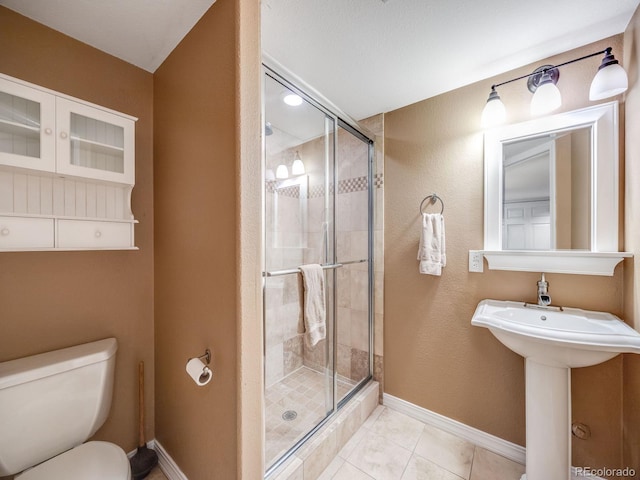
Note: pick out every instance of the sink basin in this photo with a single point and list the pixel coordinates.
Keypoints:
(553, 341)
(568, 338)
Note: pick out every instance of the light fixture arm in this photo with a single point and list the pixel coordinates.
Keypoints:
(607, 51)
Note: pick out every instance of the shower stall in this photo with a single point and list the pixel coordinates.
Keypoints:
(317, 209)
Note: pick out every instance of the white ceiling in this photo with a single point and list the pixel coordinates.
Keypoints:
(366, 56)
(141, 32)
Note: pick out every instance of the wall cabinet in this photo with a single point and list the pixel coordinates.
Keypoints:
(67, 170)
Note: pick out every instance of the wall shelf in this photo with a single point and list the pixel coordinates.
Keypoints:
(556, 261)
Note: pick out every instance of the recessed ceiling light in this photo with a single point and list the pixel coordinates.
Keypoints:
(292, 99)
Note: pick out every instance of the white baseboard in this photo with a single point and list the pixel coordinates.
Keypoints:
(482, 439)
(165, 462)
(477, 437)
(167, 465)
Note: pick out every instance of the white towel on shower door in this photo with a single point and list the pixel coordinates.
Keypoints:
(314, 310)
(431, 252)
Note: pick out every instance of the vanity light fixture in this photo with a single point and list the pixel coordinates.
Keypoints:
(298, 167)
(282, 171)
(546, 96)
(610, 80)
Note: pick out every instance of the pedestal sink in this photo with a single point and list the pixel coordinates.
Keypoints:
(553, 341)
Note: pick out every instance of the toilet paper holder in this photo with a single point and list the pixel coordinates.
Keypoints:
(207, 355)
(200, 372)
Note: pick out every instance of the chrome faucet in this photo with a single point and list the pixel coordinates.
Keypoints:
(544, 298)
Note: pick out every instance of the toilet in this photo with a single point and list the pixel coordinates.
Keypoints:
(49, 405)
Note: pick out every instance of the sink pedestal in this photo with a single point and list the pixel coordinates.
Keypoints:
(548, 420)
(553, 340)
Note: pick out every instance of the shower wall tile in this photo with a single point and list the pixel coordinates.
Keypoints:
(290, 316)
(378, 291)
(359, 247)
(315, 212)
(274, 255)
(316, 357)
(273, 293)
(359, 364)
(274, 330)
(344, 360)
(343, 292)
(378, 250)
(378, 335)
(360, 330)
(378, 373)
(274, 364)
(343, 212)
(359, 217)
(343, 246)
(343, 325)
(378, 217)
(293, 354)
(359, 291)
(292, 289)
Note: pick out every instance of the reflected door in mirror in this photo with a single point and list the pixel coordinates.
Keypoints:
(547, 191)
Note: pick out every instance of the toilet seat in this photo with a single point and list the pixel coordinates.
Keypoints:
(89, 461)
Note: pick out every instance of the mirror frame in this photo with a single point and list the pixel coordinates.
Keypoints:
(603, 256)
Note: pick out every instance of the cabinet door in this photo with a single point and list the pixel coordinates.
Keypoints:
(27, 127)
(94, 143)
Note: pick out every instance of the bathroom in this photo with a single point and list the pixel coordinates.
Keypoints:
(193, 283)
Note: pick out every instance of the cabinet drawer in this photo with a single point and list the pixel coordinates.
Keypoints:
(22, 233)
(91, 234)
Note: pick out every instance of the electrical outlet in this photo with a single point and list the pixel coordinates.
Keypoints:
(476, 263)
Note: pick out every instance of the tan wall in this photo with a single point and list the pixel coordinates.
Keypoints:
(195, 237)
(631, 430)
(433, 356)
(52, 300)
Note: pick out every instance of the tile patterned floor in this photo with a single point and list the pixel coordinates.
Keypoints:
(393, 446)
(302, 392)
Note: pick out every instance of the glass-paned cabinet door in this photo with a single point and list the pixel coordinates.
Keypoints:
(94, 143)
(27, 124)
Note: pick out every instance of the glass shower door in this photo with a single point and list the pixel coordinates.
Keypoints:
(353, 251)
(299, 230)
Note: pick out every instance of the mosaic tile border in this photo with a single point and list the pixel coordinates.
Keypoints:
(349, 185)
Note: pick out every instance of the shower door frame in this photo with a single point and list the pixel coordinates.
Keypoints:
(350, 126)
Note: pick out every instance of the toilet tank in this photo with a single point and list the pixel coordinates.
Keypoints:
(52, 402)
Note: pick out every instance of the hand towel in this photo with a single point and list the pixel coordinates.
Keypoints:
(431, 252)
(314, 310)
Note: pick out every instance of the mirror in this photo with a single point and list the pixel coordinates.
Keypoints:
(551, 193)
(547, 191)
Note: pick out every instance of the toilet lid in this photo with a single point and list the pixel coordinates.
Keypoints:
(89, 461)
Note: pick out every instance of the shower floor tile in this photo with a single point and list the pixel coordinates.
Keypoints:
(294, 405)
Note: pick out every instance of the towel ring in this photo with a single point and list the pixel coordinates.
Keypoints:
(433, 198)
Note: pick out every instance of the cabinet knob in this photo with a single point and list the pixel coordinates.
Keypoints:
(5, 231)
(63, 135)
(48, 131)
(98, 233)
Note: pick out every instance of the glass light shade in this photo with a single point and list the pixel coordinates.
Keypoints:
(292, 99)
(282, 171)
(547, 97)
(609, 81)
(494, 112)
(269, 176)
(298, 167)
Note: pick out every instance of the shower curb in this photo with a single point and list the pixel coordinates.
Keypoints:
(311, 459)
